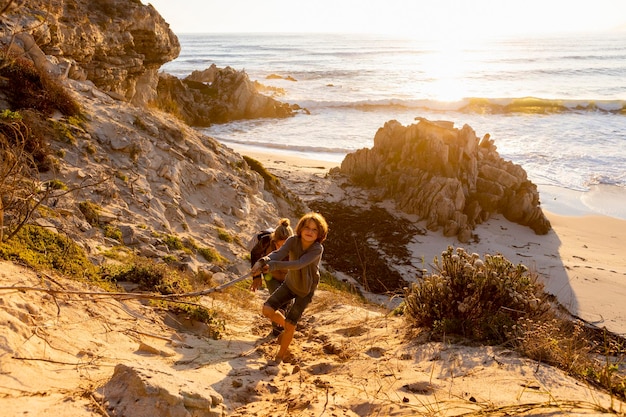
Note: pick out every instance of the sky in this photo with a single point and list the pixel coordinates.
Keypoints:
(419, 18)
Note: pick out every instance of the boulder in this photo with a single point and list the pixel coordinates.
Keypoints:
(447, 176)
(217, 95)
(141, 392)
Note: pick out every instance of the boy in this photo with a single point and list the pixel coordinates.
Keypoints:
(305, 254)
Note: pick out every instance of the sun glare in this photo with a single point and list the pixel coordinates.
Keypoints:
(447, 66)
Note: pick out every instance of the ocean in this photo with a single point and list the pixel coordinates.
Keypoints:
(554, 105)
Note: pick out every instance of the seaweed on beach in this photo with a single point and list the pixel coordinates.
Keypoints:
(363, 242)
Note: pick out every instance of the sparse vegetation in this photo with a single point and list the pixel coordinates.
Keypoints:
(119, 253)
(42, 249)
(170, 259)
(274, 186)
(151, 276)
(258, 167)
(64, 133)
(7, 114)
(495, 302)
(173, 242)
(215, 324)
(163, 279)
(55, 184)
(113, 232)
(211, 255)
(29, 88)
(168, 105)
(91, 212)
(224, 235)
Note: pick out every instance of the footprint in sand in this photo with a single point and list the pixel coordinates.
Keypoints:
(321, 368)
(375, 352)
(352, 331)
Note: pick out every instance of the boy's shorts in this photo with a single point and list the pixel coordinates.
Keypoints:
(283, 295)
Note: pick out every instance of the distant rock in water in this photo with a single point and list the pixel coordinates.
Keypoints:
(218, 95)
(446, 176)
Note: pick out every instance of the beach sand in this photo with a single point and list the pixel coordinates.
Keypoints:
(581, 260)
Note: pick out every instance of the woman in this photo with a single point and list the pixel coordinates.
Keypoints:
(273, 279)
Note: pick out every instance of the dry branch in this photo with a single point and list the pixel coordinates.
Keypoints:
(126, 295)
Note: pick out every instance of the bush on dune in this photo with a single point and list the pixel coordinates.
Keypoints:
(474, 298)
(495, 302)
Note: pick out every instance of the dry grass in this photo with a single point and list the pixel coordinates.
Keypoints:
(29, 88)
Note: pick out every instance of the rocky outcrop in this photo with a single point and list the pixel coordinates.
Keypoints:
(218, 95)
(150, 175)
(142, 166)
(119, 45)
(447, 176)
(144, 393)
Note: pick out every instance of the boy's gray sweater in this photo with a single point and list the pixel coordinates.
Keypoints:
(303, 265)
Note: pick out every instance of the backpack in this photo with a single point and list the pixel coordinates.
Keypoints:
(258, 245)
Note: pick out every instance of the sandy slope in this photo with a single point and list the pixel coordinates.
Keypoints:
(59, 352)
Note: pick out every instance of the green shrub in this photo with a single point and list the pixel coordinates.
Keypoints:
(474, 298)
(224, 235)
(113, 232)
(173, 242)
(498, 302)
(10, 115)
(166, 280)
(55, 185)
(64, 133)
(91, 212)
(199, 313)
(150, 276)
(42, 249)
(258, 167)
(211, 255)
(169, 259)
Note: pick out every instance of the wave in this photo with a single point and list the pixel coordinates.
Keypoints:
(526, 105)
(301, 148)
(606, 179)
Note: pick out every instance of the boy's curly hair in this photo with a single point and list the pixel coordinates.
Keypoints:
(320, 221)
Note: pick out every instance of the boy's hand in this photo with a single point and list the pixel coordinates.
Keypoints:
(256, 283)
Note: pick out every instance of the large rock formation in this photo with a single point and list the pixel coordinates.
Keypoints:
(218, 95)
(447, 176)
(119, 45)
